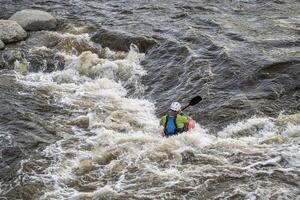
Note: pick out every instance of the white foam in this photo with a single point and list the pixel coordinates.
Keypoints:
(253, 130)
(122, 146)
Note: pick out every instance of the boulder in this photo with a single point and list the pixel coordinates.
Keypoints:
(11, 31)
(1, 45)
(34, 20)
(121, 41)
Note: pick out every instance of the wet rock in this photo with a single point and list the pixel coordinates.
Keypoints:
(9, 57)
(42, 39)
(46, 60)
(121, 41)
(11, 31)
(2, 45)
(34, 20)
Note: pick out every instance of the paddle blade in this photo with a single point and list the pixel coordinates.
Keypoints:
(195, 100)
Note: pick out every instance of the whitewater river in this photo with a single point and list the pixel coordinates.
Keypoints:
(80, 105)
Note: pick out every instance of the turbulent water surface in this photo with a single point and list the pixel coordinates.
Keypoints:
(80, 106)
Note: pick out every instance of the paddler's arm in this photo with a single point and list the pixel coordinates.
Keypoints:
(187, 118)
(181, 121)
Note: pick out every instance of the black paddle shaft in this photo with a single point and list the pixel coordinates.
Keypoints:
(193, 101)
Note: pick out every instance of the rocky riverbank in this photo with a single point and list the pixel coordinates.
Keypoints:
(13, 30)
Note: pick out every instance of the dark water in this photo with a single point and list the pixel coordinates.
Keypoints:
(242, 57)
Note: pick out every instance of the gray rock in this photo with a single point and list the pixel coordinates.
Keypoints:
(121, 41)
(11, 31)
(34, 20)
(2, 45)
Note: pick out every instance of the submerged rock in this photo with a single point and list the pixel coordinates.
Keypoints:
(9, 57)
(2, 45)
(44, 59)
(11, 31)
(34, 20)
(121, 41)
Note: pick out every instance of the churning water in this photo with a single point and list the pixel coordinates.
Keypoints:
(80, 120)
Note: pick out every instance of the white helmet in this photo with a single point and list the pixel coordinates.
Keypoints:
(175, 106)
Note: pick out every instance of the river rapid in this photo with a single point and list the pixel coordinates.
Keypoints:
(80, 105)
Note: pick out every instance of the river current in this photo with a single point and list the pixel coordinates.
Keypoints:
(80, 105)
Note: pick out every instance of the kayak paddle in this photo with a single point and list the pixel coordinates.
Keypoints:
(193, 101)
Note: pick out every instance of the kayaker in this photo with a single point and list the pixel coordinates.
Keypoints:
(174, 121)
